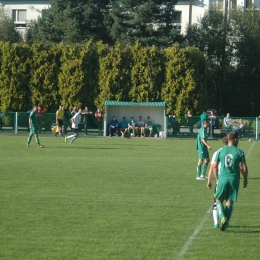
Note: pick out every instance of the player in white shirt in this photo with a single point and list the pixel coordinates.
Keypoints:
(75, 127)
(209, 185)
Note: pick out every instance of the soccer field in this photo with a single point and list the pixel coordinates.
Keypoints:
(119, 198)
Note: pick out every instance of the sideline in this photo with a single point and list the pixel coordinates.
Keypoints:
(199, 227)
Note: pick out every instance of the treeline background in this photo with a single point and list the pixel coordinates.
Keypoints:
(89, 74)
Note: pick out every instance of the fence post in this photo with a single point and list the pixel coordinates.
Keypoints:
(16, 123)
(256, 128)
(105, 125)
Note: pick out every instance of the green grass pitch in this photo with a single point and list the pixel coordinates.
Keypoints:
(118, 198)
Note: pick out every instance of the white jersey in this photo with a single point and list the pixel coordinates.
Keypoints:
(77, 118)
(214, 158)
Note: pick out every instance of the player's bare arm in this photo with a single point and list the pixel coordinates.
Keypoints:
(205, 142)
(244, 172)
(209, 184)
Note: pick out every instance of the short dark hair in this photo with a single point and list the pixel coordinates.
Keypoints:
(225, 140)
(232, 136)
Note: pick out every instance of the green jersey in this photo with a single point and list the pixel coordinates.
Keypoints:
(203, 117)
(202, 134)
(34, 118)
(230, 157)
(149, 123)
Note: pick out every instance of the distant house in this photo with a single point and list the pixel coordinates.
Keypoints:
(188, 11)
(23, 11)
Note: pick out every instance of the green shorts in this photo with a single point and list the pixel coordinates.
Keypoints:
(227, 189)
(33, 130)
(203, 154)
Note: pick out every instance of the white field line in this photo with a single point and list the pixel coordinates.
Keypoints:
(199, 227)
(193, 236)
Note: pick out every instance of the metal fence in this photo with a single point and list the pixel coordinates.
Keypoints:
(18, 123)
(183, 127)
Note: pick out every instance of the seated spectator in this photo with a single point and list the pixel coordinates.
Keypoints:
(148, 127)
(239, 125)
(139, 124)
(227, 123)
(173, 122)
(131, 127)
(123, 127)
(113, 126)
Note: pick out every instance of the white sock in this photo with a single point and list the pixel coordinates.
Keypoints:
(73, 139)
(70, 136)
(215, 216)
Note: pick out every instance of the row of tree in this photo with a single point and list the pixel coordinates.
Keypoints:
(91, 73)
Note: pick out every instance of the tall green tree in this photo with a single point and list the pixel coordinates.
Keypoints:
(114, 75)
(44, 72)
(212, 36)
(151, 22)
(147, 73)
(15, 77)
(78, 77)
(70, 21)
(185, 81)
(246, 76)
(8, 32)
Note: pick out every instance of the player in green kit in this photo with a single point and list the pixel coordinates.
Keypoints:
(202, 146)
(33, 125)
(233, 162)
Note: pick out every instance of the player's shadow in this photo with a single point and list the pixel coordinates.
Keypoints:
(245, 229)
(254, 178)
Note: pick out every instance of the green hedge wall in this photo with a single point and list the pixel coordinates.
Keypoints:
(90, 74)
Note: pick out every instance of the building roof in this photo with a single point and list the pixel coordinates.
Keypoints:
(137, 104)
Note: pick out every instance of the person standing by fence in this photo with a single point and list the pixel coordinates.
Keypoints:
(86, 114)
(99, 120)
(59, 120)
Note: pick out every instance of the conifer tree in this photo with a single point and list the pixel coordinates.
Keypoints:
(8, 33)
(151, 22)
(185, 81)
(70, 21)
(44, 76)
(15, 77)
(114, 75)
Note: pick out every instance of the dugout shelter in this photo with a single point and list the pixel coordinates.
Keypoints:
(119, 109)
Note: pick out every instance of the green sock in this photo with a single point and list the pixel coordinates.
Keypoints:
(205, 168)
(228, 211)
(198, 170)
(220, 209)
(37, 140)
(29, 139)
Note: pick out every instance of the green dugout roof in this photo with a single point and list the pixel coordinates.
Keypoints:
(141, 104)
